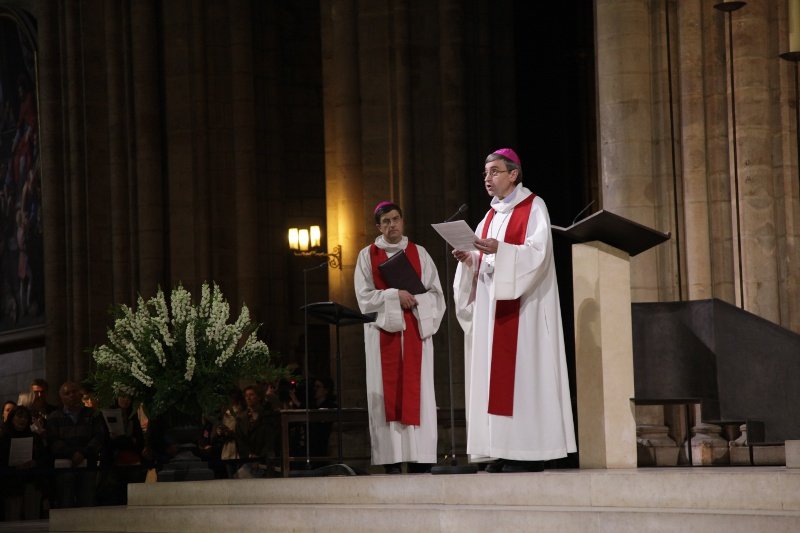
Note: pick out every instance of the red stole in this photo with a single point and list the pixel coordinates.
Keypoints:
(401, 352)
(506, 321)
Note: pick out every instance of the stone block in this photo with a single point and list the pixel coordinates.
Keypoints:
(657, 455)
(706, 454)
(740, 455)
(792, 451)
(769, 455)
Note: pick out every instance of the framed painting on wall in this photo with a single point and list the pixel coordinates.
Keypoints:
(22, 314)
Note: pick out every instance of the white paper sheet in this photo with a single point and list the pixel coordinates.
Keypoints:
(21, 451)
(67, 463)
(113, 418)
(458, 234)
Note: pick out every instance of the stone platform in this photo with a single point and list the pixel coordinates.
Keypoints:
(746, 499)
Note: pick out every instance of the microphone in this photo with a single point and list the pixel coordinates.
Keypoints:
(461, 211)
(582, 211)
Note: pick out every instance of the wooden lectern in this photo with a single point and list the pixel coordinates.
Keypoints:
(601, 279)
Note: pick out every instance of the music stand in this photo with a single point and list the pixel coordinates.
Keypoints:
(337, 315)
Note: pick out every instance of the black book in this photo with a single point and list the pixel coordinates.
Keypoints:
(399, 274)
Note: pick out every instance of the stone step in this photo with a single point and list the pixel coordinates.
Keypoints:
(703, 499)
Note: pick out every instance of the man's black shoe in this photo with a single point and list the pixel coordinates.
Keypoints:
(523, 466)
(393, 468)
(496, 467)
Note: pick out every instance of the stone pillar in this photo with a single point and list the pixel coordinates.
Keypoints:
(753, 59)
(603, 356)
(344, 193)
(695, 167)
(54, 212)
(245, 205)
(152, 266)
(631, 129)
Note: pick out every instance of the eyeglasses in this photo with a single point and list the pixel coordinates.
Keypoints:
(389, 221)
(494, 173)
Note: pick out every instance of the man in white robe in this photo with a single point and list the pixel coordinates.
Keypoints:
(518, 404)
(399, 382)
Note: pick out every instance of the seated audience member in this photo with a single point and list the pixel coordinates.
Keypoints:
(127, 447)
(75, 435)
(38, 390)
(124, 445)
(36, 400)
(23, 480)
(320, 432)
(225, 432)
(255, 433)
(8, 406)
(271, 396)
(88, 396)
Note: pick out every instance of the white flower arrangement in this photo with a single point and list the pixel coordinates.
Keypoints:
(180, 357)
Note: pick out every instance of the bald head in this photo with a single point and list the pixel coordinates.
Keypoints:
(70, 394)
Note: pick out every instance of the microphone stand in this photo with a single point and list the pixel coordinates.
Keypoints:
(453, 467)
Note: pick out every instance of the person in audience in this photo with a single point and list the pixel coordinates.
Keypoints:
(225, 432)
(8, 406)
(271, 396)
(36, 400)
(320, 432)
(88, 396)
(75, 435)
(255, 433)
(38, 391)
(23, 480)
(124, 452)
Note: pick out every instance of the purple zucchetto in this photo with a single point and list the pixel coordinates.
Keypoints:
(510, 154)
(381, 204)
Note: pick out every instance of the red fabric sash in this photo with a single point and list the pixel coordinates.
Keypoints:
(401, 352)
(506, 321)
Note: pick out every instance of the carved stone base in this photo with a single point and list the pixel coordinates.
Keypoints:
(654, 447)
(708, 447)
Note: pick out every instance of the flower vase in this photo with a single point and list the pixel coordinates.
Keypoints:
(181, 436)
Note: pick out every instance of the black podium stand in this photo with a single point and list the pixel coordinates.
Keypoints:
(337, 315)
(614, 230)
(603, 244)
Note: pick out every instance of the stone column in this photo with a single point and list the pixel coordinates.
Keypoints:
(695, 168)
(148, 186)
(346, 208)
(630, 131)
(244, 149)
(753, 60)
(54, 210)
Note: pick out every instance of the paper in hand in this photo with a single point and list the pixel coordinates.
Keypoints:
(113, 418)
(20, 451)
(458, 234)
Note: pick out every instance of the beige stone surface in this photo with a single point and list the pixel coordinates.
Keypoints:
(603, 356)
(720, 499)
(792, 453)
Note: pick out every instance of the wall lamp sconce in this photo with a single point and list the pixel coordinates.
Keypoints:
(306, 241)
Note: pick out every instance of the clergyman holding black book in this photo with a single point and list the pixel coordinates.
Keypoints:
(399, 344)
